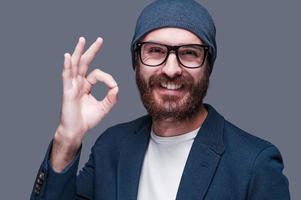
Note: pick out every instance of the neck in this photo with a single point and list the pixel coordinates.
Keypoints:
(171, 127)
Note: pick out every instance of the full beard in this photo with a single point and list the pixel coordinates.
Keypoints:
(173, 107)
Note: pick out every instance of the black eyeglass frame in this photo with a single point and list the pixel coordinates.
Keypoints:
(175, 50)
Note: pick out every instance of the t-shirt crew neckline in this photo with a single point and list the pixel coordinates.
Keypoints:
(174, 139)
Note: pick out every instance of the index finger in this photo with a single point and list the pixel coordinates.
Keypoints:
(98, 75)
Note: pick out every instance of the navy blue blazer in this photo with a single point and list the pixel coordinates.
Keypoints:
(225, 163)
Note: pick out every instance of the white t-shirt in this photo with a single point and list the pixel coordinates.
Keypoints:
(163, 166)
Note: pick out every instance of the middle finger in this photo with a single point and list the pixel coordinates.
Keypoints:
(78, 51)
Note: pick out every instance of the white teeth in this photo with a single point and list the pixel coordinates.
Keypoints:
(170, 86)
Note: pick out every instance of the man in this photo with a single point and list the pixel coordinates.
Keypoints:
(183, 149)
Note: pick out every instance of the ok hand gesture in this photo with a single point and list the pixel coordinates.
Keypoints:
(80, 110)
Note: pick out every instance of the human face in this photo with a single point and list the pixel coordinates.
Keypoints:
(171, 91)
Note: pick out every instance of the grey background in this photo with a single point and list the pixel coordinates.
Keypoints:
(255, 83)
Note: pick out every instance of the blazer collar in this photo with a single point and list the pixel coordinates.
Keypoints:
(203, 158)
(201, 163)
(131, 161)
(212, 131)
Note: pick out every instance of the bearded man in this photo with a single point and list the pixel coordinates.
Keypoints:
(183, 149)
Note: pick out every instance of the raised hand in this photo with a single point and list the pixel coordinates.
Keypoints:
(80, 110)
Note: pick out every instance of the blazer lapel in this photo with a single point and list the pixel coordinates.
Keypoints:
(203, 158)
(131, 160)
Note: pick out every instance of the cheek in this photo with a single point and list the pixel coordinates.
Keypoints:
(146, 72)
(196, 74)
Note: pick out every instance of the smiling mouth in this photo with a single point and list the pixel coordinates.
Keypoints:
(171, 86)
(170, 89)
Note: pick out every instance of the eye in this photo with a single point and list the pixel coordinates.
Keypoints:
(189, 53)
(156, 50)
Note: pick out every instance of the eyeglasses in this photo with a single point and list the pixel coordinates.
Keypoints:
(189, 55)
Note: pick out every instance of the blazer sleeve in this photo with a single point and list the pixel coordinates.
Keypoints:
(267, 179)
(50, 185)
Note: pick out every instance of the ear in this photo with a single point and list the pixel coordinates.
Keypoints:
(208, 64)
(135, 60)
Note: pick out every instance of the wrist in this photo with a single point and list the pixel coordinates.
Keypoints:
(63, 152)
(67, 140)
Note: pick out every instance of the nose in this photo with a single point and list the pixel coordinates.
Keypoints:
(172, 67)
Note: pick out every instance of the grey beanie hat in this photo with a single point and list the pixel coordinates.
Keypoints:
(185, 14)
